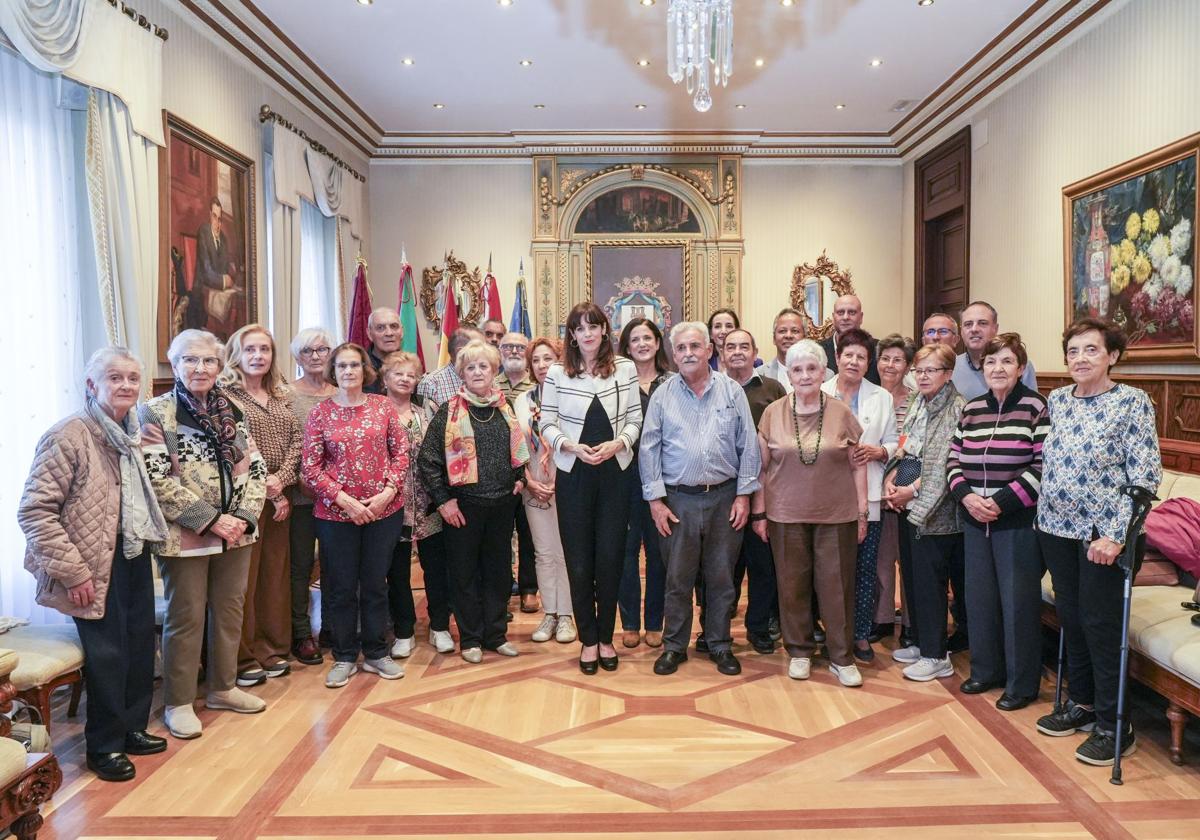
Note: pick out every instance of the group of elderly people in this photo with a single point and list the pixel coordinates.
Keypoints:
(801, 474)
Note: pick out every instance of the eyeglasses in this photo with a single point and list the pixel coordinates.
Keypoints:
(940, 332)
(512, 348)
(920, 372)
(197, 362)
(310, 352)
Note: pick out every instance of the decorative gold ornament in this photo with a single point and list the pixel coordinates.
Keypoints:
(839, 284)
(466, 282)
(637, 172)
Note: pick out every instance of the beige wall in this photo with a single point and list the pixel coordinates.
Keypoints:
(1123, 88)
(473, 209)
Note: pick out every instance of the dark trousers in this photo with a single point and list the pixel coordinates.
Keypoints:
(479, 560)
(118, 656)
(908, 583)
(593, 516)
(756, 562)
(302, 538)
(641, 533)
(866, 583)
(526, 568)
(1088, 598)
(934, 558)
(1004, 601)
(702, 541)
(354, 565)
(431, 552)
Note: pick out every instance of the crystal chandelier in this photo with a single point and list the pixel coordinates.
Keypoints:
(700, 32)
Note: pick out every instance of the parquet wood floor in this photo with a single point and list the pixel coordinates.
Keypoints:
(530, 747)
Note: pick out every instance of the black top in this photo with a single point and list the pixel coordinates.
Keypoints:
(497, 476)
(761, 391)
(872, 374)
(596, 426)
(376, 387)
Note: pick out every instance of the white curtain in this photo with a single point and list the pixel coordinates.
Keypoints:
(44, 251)
(95, 44)
(318, 304)
(122, 177)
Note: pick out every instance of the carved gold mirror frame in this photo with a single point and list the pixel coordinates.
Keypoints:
(469, 282)
(828, 279)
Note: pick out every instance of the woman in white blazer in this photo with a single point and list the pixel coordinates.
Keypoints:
(591, 418)
(873, 408)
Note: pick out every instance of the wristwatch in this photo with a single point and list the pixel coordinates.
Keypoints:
(758, 517)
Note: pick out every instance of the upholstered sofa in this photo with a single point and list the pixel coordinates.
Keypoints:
(26, 779)
(1164, 644)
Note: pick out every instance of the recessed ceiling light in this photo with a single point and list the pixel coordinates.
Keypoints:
(840, 107)
(786, 2)
(640, 107)
(407, 62)
(647, 2)
(438, 106)
(505, 2)
(740, 106)
(643, 62)
(539, 107)
(876, 62)
(924, 2)
(526, 62)
(759, 62)
(365, 2)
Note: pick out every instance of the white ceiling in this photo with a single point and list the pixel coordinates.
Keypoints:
(466, 52)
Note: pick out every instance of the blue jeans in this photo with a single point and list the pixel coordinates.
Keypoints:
(641, 533)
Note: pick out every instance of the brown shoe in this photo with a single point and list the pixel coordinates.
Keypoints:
(306, 651)
(631, 638)
(654, 638)
(529, 603)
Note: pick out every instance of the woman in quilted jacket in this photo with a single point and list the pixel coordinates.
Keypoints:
(211, 482)
(91, 519)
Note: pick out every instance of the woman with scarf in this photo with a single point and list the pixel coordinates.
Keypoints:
(211, 483)
(473, 465)
(96, 568)
(541, 507)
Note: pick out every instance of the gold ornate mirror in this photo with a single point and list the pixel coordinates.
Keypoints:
(467, 284)
(814, 290)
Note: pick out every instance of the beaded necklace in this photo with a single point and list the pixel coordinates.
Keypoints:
(808, 462)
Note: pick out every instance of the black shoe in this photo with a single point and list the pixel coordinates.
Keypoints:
(111, 767)
(773, 629)
(143, 743)
(881, 631)
(1009, 703)
(864, 654)
(508, 616)
(1067, 721)
(761, 642)
(974, 686)
(608, 663)
(907, 639)
(1196, 619)
(589, 668)
(1100, 748)
(701, 644)
(957, 642)
(727, 663)
(668, 662)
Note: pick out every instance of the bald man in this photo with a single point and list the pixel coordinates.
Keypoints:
(847, 315)
(387, 334)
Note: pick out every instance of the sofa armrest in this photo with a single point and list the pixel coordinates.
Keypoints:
(8, 663)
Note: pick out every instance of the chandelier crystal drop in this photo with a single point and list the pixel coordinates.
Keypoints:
(700, 32)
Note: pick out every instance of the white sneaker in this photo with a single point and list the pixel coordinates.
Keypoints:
(385, 667)
(473, 655)
(545, 630)
(848, 675)
(339, 674)
(507, 649)
(442, 641)
(235, 700)
(907, 655)
(926, 669)
(799, 667)
(182, 722)
(566, 632)
(402, 648)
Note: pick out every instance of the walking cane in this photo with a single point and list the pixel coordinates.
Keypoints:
(1142, 499)
(1062, 646)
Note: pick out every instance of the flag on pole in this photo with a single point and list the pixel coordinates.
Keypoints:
(360, 307)
(520, 312)
(449, 318)
(411, 342)
(489, 292)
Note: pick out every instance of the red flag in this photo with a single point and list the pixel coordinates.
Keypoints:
(490, 294)
(360, 309)
(449, 320)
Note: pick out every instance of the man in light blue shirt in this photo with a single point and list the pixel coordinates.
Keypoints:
(699, 465)
(980, 324)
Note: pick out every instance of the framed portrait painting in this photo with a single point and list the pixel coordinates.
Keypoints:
(639, 279)
(1130, 251)
(206, 229)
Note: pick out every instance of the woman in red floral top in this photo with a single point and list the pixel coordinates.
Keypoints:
(355, 460)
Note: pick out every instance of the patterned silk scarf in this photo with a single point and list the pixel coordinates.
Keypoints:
(462, 463)
(217, 421)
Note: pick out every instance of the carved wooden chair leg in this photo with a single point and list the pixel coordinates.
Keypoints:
(76, 694)
(1178, 718)
(27, 827)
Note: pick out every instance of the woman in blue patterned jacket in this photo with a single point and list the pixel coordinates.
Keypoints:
(1102, 436)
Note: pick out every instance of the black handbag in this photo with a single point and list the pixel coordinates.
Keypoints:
(907, 470)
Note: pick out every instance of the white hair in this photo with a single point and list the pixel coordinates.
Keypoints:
(684, 326)
(308, 337)
(105, 356)
(380, 311)
(806, 348)
(189, 338)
